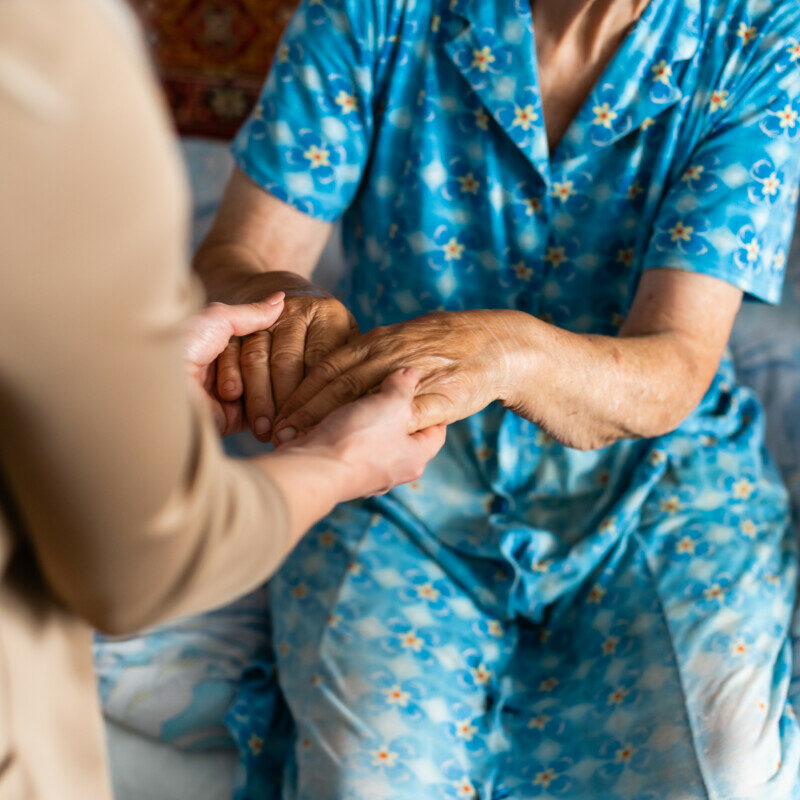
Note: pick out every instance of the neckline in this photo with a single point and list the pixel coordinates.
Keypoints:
(631, 38)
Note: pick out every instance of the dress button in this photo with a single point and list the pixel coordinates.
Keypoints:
(500, 504)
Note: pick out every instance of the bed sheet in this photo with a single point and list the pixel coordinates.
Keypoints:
(145, 769)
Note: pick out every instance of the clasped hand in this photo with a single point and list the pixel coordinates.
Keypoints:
(263, 370)
(463, 358)
(314, 360)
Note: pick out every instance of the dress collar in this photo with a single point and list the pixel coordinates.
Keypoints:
(494, 50)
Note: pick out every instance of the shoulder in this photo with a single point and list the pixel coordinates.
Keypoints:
(749, 51)
(372, 27)
(748, 30)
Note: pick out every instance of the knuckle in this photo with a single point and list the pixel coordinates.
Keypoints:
(254, 307)
(376, 333)
(228, 373)
(293, 325)
(253, 357)
(315, 353)
(303, 420)
(325, 370)
(215, 308)
(284, 359)
(348, 386)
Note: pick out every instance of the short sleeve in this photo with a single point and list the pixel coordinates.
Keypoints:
(730, 213)
(308, 138)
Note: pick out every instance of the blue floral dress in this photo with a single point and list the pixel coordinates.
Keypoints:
(528, 620)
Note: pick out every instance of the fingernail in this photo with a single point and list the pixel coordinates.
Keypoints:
(229, 387)
(286, 434)
(276, 299)
(262, 426)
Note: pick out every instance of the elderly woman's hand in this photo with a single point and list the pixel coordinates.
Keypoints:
(465, 361)
(268, 366)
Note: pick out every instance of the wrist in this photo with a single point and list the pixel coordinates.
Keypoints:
(235, 275)
(511, 343)
(311, 480)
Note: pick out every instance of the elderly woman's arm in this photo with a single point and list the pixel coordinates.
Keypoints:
(586, 391)
(589, 391)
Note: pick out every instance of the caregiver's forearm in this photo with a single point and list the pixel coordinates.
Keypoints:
(589, 391)
(312, 483)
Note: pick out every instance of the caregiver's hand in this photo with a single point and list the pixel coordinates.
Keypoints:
(368, 441)
(464, 360)
(208, 333)
(269, 366)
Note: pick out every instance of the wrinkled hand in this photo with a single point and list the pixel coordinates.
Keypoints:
(267, 367)
(369, 439)
(207, 334)
(465, 361)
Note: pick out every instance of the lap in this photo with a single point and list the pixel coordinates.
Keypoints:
(392, 676)
(661, 673)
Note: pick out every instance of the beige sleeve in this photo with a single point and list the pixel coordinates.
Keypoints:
(115, 474)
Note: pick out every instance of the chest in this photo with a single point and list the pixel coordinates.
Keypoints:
(463, 189)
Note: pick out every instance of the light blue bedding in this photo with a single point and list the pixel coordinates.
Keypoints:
(176, 684)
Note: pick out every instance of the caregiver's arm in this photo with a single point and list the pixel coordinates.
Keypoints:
(586, 391)
(107, 452)
(244, 258)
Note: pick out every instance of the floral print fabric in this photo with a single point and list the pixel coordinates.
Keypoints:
(529, 620)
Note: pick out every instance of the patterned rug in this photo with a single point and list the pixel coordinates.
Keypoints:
(212, 56)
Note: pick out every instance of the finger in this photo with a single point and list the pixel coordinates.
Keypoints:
(402, 383)
(208, 333)
(287, 352)
(327, 370)
(324, 338)
(342, 390)
(229, 371)
(253, 317)
(428, 410)
(258, 401)
(234, 418)
(430, 440)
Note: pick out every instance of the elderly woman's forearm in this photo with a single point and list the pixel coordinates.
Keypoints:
(255, 232)
(589, 391)
(225, 269)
